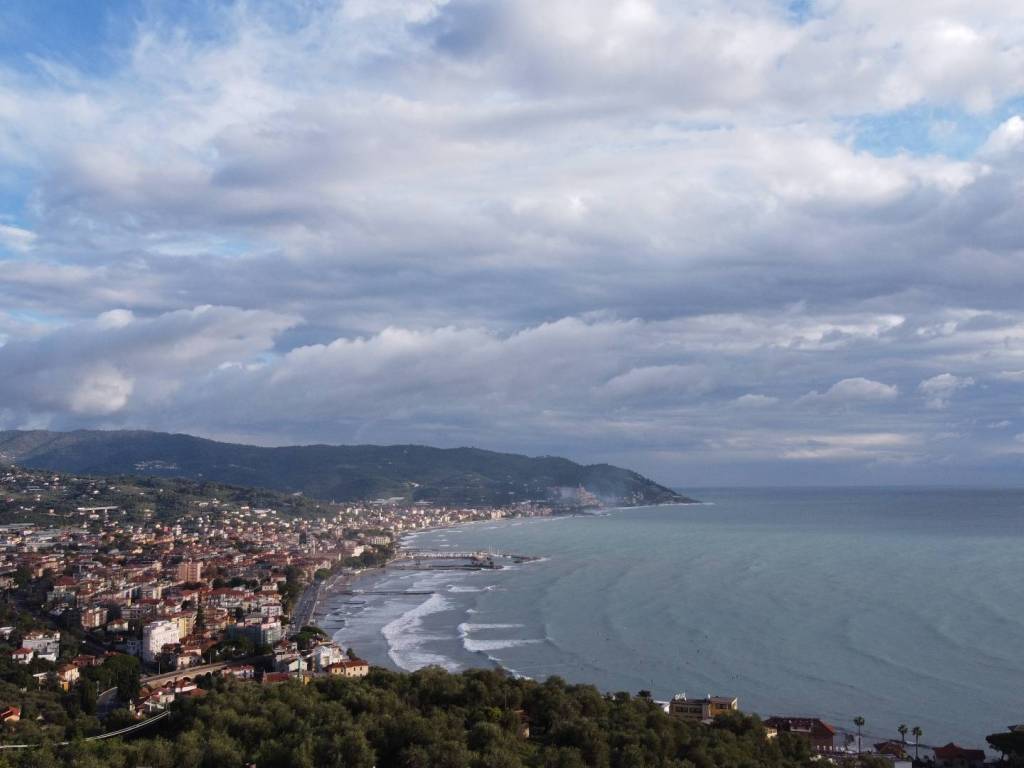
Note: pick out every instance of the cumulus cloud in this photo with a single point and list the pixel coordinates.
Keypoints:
(1008, 137)
(525, 226)
(939, 390)
(750, 400)
(658, 380)
(102, 367)
(852, 390)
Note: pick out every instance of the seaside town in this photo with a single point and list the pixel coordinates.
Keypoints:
(123, 596)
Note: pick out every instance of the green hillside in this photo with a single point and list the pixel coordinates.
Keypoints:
(342, 473)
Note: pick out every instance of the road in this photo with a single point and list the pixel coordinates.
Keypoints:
(305, 605)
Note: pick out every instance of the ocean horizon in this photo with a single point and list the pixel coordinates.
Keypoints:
(898, 604)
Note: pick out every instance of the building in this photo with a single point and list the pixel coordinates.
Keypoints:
(46, 645)
(955, 756)
(325, 654)
(93, 618)
(67, 676)
(241, 672)
(155, 636)
(22, 655)
(258, 633)
(699, 710)
(190, 571)
(348, 668)
(818, 733)
(10, 715)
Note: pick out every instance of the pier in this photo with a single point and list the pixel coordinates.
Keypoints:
(397, 592)
(440, 554)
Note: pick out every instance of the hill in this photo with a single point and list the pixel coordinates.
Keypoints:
(429, 719)
(458, 476)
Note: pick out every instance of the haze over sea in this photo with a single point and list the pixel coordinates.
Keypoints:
(904, 605)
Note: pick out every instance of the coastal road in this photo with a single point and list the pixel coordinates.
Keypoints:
(305, 605)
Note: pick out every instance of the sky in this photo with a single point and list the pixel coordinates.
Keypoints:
(716, 241)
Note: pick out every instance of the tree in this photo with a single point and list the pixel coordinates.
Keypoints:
(859, 722)
(917, 738)
(87, 696)
(121, 671)
(1011, 744)
(903, 732)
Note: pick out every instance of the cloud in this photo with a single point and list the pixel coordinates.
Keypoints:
(873, 446)
(116, 362)
(666, 380)
(16, 239)
(750, 400)
(1008, 137)
(939, 390)
(853, 390)
(526, 226)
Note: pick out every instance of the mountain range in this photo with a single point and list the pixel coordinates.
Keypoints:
(454, 476)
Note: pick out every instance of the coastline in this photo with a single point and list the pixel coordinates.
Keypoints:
(397, 618)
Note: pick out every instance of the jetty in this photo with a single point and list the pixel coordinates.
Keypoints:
(441, 554)
(398, 592)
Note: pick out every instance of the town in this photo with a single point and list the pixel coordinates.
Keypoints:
(171, 580)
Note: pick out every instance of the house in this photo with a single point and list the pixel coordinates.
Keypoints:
(10, 715)
(818, 733)
(23, 655)
(324, 655)
(241, 672)
(67, 676)
(699, 710)
(270, 678)
(954, 756)
(292, 663)
(348, 668)
(46, 645)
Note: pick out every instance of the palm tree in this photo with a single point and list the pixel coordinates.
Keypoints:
(859, 722)
(917, 738)
(903, 732)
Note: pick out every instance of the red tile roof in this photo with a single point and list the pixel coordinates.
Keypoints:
(955, 752)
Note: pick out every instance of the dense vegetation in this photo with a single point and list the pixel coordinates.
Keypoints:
(419, 473)
(430, 718)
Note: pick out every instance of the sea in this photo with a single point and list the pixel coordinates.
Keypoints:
(900, 605)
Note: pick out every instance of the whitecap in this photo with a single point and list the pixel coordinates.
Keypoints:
(406, 639)
(480, 646)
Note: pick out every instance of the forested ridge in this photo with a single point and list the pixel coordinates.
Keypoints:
(455, 476)
(477, 719)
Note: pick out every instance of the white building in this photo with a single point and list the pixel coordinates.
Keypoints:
(322, 656)
(155, 636)
(46, 645)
